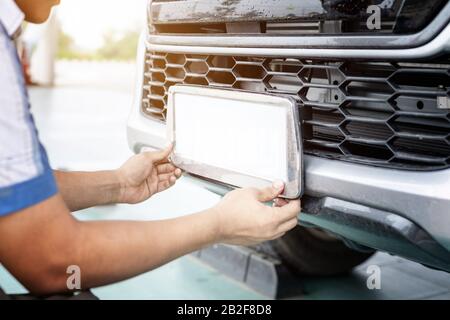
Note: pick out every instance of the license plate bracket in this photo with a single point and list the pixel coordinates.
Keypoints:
(239, 138)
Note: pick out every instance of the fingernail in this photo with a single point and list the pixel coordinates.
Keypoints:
(278, 185)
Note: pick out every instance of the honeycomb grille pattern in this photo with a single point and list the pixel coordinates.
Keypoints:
(378, 113)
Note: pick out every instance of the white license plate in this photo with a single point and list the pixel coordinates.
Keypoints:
(238, 138)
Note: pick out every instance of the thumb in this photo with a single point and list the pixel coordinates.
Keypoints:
(163, 154)
(272, 192)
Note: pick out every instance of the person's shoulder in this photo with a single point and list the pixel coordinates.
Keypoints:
(8, 53)
(10, 73)
(25, 175)
(5, 39)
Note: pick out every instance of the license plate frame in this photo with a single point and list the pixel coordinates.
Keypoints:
(294, 182)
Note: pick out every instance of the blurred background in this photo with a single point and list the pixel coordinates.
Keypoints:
(85, 40)
(80, 67)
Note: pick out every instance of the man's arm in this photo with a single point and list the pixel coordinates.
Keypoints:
(39, 243)
(138, 179)
(82, 190)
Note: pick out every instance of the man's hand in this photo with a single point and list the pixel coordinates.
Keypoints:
(244, 219)
(145, 174)
(138, 179)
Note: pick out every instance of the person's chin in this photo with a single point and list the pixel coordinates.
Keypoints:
(37, 18)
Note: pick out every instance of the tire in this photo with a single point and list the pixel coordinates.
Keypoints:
(313, 252)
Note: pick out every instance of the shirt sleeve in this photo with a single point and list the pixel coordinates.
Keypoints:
(25, 174)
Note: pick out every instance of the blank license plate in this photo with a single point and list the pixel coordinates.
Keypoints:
(238, 138)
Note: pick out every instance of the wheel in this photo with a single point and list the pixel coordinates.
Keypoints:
(309, 251)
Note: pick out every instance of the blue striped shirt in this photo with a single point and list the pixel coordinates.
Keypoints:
(25, 175)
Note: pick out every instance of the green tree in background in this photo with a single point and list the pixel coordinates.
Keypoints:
(122, 47)
(65, 46)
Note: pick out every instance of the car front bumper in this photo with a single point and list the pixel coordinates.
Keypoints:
(422, 197)
(413, 205)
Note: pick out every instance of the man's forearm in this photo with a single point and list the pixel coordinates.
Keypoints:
(117, 250)
(82, 190)
(51, 240)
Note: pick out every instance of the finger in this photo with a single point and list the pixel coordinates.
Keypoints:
(289, 211)
(164, 176)
(178, 172)
(288, 225)
(164, 185)
(165, 168)
(163, 154)
(280, 202)
(270, 193)
(167, 176)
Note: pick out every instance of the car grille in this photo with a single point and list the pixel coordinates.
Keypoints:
(379, 113)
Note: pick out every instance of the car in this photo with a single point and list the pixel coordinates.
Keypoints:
(371, 80)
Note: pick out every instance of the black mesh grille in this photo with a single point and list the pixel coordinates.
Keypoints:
(378, 113)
